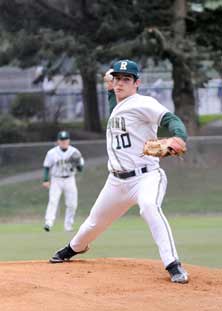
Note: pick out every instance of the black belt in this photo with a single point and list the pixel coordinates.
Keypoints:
(125, 175)
(65, 176)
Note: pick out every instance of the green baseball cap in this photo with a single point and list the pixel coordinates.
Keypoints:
(127, 67)
(63, 135)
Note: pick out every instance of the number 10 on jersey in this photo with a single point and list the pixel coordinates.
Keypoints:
(123, 141)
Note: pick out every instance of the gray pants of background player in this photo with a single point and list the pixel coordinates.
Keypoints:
(117, 197)
(58, 186)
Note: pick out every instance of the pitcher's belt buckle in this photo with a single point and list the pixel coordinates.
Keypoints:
(136, 172)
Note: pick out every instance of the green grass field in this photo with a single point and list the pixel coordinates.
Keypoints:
(192, 204)
(205, 119)
(190, 191)
(198, 240)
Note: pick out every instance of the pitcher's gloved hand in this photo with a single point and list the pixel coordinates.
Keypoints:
(165, 147)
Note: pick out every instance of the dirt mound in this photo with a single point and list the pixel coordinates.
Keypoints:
(105, 285)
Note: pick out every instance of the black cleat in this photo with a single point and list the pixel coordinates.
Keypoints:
(46, 228)
(177, 273)
(64, 254)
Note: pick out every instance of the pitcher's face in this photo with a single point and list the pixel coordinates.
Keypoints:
(124, 86)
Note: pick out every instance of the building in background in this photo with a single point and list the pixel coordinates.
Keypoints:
(200, 5)
(67, 98)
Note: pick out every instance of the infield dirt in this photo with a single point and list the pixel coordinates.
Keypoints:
(106, 285)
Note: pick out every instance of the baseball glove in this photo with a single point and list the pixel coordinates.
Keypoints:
(165, 147)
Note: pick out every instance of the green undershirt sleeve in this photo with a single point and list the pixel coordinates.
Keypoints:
(45, 173)
(174, 125)
(112, 100)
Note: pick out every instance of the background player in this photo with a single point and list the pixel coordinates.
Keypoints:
(61, 163)
(133, 179)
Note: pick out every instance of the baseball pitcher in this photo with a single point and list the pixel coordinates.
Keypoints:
(61, 163)
(135, 174)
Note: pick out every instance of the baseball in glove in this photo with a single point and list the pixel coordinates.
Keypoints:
(173, 146)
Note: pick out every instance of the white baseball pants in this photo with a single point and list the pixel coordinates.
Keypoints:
(117, 197)
(58, 186)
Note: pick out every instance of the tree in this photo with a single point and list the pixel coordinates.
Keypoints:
(26, 106)
(79, 29)
(186, 51)
(69, 35)
(172, 44)
(189, 47)
(183, 89)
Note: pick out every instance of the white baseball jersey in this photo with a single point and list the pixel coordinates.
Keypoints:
(133, 121)
(62, 163)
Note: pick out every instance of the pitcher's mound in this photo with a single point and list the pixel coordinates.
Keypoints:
(105, 285)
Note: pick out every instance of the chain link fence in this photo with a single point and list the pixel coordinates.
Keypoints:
(203, 153)
(68, 106)
(18, 158)
(194, 182)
